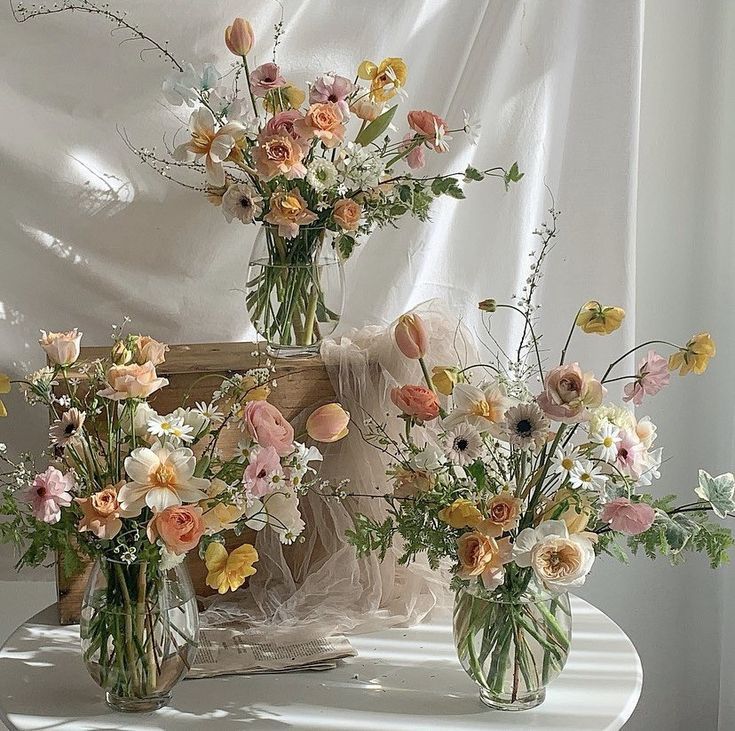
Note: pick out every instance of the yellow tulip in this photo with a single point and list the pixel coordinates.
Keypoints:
(694, 356)
(461, 513)
(594, 318)
(227, 572)
(445, 378)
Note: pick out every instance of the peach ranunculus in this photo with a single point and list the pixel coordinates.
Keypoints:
(268, 427)
(324, 121)
(416, 402)
(132, 381)
(147, 349)
(431, 126)
(483, 556)
(279, 154)
(462, 513)
(288, 211)
(347, 214)
(101, 513)
(503, 512)
(328, 423)
(410, 336)
(62, 348)
(569, 394)
(239, 37)
(180, 528)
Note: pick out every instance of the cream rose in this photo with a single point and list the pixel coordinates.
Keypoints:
(61, 348)
(148, 349)
(132, 381)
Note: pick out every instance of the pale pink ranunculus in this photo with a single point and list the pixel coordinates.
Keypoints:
(416, 158)
(628, 517)
(268, 427)
(332, 88)
(279, 155)
(631, 459)
(416, 401)
(264, 466)
(429, 125)
(569, 394)
(180, 528)
(48, 493)
(148, 349)
(411, 336)
(282, 124)
(61, 348)
(325, 122)
(653, 374)
(328, 423)
(132, 381)
(265, 77)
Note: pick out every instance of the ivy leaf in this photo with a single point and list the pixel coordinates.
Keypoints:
(473, 174)
(675, 531)
(717, 491)
(376, 127)
(513, 175)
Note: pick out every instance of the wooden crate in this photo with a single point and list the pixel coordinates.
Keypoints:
(301, 385)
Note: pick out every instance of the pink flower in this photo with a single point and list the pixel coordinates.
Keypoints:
(653, 375)
(265, 77)
(328, 423)
(569, 393)
(61, 348)
(416, 401)
(416, 158)
(332, 88)
(282, 124)
(48, 493)
(431, 126)
(132, 381)
(180, 527)
(631, 454)
(265, 464)
(628, 517)
(267, 426)
(411, 336)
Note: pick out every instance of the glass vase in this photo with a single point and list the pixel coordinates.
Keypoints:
(139, 630)
(512, 641)
(295, 290)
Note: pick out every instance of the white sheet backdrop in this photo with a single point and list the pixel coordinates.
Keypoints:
(89, 235)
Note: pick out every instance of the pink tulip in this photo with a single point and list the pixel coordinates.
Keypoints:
(411, 336)
(239, 37)
(628, 517)
(328, 423)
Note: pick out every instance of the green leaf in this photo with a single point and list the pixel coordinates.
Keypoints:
(376, 127)
(473, 174)
(513, 175)
(616, 551)
(345, 246)
(676, 532)
(717, 491)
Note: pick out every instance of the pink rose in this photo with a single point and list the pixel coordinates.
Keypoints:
(416, 401)
(429, 125)
(48, 493)
(282, 124)
(263, 474)
(132, 381)
(179, 527)
(267, 426)
(569, 393)
(627, 517)
(265, 77)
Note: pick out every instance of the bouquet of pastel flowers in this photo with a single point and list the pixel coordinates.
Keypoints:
(520, 490)
(135, 491)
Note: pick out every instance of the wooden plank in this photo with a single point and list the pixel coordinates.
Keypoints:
(301, 385)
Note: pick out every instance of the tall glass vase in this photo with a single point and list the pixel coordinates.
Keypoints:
(295, 289)
(139, 630)
(512, 641)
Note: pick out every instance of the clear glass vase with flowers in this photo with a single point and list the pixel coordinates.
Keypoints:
(135, 491)
(519, 490)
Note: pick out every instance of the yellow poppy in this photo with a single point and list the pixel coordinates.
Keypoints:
(389, 77)
(694, 356)
(227, 572)
(594, 318)
(445, 378)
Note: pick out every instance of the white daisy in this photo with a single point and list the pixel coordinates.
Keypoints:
(586, 475)
(441, 138)
(526, 426)
(169, 426)
(321, 174)
(606, 441)
(564, 460)
(210, 412)
(243, 452)
(464, 445)
(472, 126)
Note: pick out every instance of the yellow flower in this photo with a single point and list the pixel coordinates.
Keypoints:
(694, 356)
(594, 318)
(227, 572)
(461, 513)
(367, 70)
(571, 506)
(445, 378)
(285, 97)
(388, 78)
(4, 388)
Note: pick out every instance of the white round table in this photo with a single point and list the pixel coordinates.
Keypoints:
(402, 679)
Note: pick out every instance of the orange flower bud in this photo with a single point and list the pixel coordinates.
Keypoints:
(411, 336)
(239, 37)
(328, 423)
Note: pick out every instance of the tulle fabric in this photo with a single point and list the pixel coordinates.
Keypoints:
(319, 586)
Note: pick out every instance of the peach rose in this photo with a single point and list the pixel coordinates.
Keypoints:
(328, 423)
(101, 513)
(132, 381)
(283, 125)
(267, 426)
(480, 555)
(416, 401)
(427, 124)
(278, 154)
(179, 527)
(61, 348)
(147, 349)
(569, 393)
(288, 211)
(347, 213)
(325, 121)
(503, 512)
(410, 336)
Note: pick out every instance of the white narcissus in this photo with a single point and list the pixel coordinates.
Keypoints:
(161, 477)
(484, 408)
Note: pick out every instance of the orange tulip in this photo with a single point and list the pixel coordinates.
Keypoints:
(239, 37)
(328, 423)
(411, 336)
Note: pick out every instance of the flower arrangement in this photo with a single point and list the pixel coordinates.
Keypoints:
(520, 489)
(316, 167)
(137, 491)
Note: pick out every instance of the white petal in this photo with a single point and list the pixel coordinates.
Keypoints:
(215, 173)
(552, 528)
(161, 498)
(523, 546)
(221, 147)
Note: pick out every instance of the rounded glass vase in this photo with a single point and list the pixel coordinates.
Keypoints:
(139, 630)
(512, 643)
(295, 289)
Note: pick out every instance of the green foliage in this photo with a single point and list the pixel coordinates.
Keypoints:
(376, 127)
(717, 491)
(371, 535)
(513, 175)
